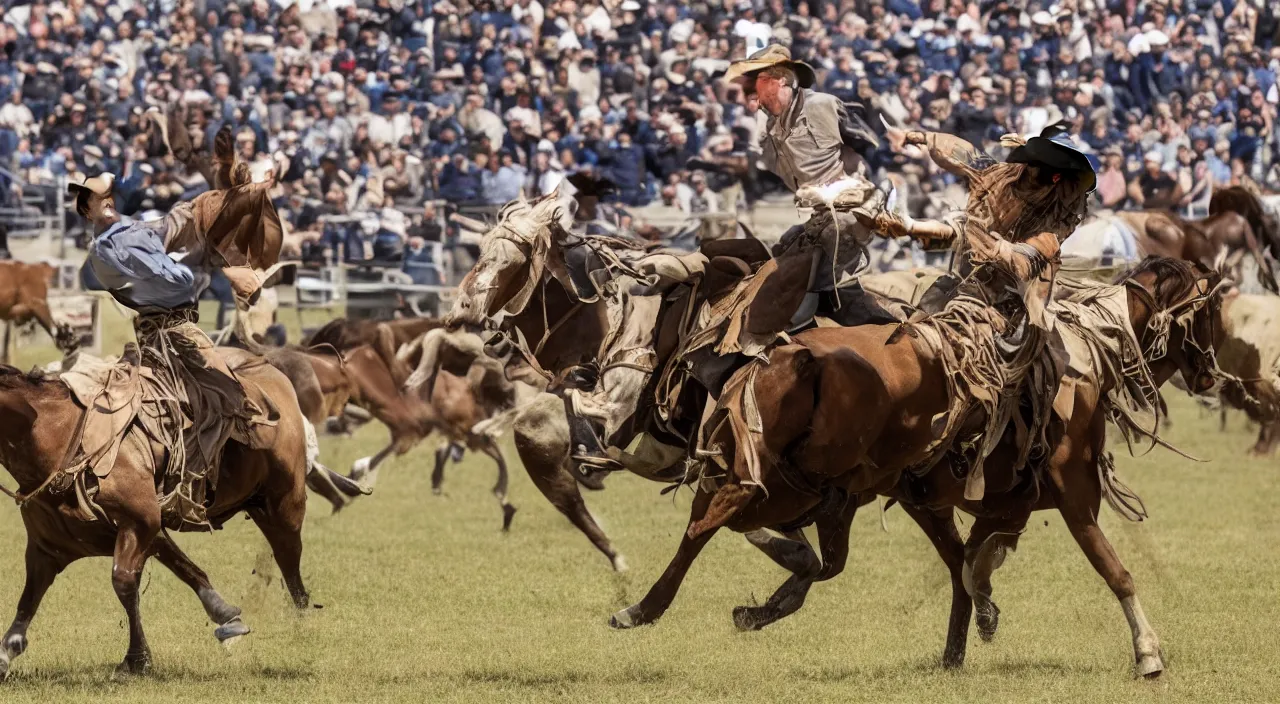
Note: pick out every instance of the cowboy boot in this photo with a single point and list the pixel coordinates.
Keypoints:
(587, 452)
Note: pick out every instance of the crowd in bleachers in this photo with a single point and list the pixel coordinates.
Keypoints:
(383, 107)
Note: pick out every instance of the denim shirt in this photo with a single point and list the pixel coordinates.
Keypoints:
(130, 261)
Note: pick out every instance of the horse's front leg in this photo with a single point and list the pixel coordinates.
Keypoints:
(42, 569)
(833, 539)
(709, 513)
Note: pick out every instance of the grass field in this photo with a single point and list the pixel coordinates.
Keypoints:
(425, 600)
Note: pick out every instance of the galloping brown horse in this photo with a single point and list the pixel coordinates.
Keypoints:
(1164, 234)
(327, 380)
(268, 484)
(846, 411)
(386, 336)
(24, 296)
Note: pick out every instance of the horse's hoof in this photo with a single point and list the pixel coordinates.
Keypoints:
(593, 481)
(951, 661)
(14, 645)
(4, 666)
(1150, 666)
(988, 618)
(134, 666)
(744, 619)
(437, 491)
(624, 620)
(359, 469)
(231, 631)
(508, 513)
(619, 563)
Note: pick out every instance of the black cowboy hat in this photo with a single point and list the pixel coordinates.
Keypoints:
(588, 185)
(1055, 149)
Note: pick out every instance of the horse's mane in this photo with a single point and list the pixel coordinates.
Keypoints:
(331, 333)
(1176, 279)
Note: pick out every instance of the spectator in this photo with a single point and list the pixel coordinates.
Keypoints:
(471, 100)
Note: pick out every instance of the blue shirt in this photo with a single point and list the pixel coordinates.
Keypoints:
(130, 262)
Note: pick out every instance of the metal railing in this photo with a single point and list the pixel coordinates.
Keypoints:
(40, 211)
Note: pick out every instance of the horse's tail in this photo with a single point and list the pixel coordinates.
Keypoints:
(1265, 276)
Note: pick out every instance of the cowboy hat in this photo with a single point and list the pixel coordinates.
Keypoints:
(83, 187)
(1054, 149)
(768, 57)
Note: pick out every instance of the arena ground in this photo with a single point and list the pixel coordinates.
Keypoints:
(426, 601)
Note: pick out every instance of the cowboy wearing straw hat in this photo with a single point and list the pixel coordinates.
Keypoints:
(159, 269)
(811, 140)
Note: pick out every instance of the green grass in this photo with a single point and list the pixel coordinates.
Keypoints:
(425, 600)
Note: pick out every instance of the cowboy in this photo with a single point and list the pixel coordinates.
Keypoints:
(1018, 212)
(809, 140)
(160, 268)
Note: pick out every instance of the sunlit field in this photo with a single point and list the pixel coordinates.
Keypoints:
(425, 600)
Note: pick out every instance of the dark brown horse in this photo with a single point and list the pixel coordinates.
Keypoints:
(268, 484)
(846, 411)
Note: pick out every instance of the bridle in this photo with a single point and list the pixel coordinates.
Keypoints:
(1182, 314)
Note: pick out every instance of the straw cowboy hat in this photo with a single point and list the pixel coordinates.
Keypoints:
(82, 186)
(768, 57)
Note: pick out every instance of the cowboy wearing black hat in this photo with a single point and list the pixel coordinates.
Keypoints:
(1018, 212)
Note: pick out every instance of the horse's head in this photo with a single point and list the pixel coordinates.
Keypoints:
(513, 255)
(1182, 325)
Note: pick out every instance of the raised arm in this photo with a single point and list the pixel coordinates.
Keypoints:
(947, 150)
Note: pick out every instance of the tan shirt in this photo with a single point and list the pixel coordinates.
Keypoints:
(803, 145)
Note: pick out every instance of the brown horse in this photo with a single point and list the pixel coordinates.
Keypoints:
(846, 410)
(365, 376)
(386, 336)
(268, 484)
(1162, 233)
(1237, 199)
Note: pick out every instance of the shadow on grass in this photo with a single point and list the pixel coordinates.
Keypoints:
(933, 667)
(634, 674)
(92, 676)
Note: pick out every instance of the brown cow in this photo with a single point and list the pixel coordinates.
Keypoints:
(24, 296)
